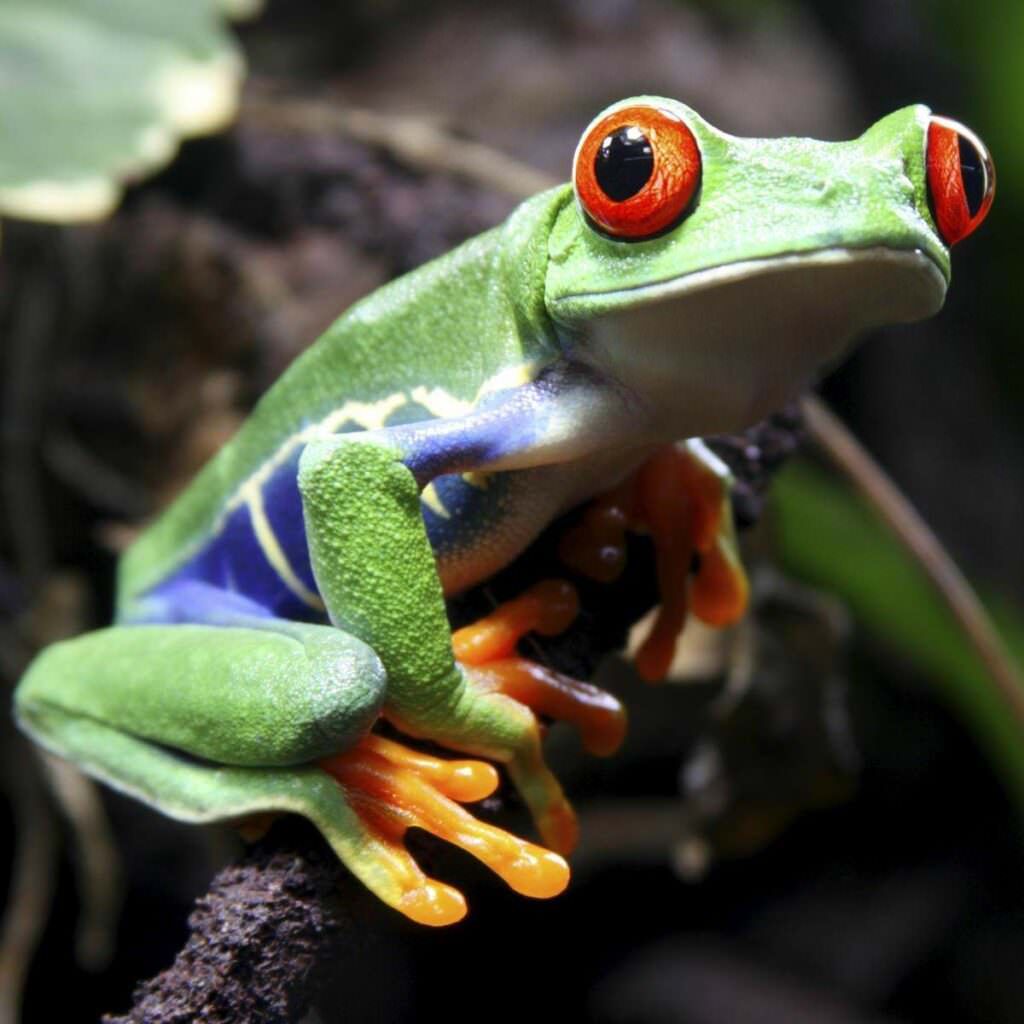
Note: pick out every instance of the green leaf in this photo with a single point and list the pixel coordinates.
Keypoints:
(829, 537)
(94, 93)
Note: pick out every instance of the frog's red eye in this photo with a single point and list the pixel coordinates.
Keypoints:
(636, 171)
(961, 178)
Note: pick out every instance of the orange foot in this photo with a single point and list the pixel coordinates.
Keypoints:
(489, 644)
(681, 497)
(392, 788)
(510, 691)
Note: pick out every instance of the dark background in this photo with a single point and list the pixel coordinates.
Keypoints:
(883, 876)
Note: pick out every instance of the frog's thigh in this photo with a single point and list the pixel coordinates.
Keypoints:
(280, 693)
(272, 694)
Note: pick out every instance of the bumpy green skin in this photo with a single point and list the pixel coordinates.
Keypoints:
(280, 687)
(455, 322)
(346, 481)
(498, 352)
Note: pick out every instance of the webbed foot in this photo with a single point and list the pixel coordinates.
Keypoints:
(680, 496)
(495, 713)
(489, 647)
(392, 788)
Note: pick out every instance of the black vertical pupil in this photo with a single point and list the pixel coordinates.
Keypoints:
(624, 162)
(972, 170)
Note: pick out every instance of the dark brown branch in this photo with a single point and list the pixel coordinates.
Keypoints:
(258, 937)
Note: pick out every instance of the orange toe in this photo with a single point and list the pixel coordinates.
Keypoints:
(600, 717)
(596, 546)
(385, 784)
(433, 904)
(547, 608)
(465, 781)
(720, 589)
(560, 828)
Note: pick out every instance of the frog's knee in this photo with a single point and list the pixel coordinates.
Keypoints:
(336, 702)
(291, 710)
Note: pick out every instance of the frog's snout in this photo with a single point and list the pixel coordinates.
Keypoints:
(961, 178)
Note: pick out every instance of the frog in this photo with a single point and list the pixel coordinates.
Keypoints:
(281, 642)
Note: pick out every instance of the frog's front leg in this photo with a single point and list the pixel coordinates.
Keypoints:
(375, 570)
(681, 496)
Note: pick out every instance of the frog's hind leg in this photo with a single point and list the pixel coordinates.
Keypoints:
(215, 722)
(196, 792)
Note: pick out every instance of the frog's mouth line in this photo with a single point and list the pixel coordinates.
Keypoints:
(724, 347)
(898, 285)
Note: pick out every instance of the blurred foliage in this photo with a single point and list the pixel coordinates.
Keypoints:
(990, 46)
(116, 84)
(988, 41)
(829, 537)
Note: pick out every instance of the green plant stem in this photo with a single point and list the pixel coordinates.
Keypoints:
(910, 529)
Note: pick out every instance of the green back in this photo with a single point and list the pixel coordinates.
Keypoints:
(448, 327)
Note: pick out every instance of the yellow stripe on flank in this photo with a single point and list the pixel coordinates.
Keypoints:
(369, 415)
(274, 554)
(440, 403)
(444, 405)
(481, 481)
(372, 415)
(432, 500)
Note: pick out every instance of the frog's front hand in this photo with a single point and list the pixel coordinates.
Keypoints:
(392, 789)
(681, 497)
(496, 712)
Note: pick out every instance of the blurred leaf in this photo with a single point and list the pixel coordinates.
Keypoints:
(988, 42)
(829, 537)
(96, 92)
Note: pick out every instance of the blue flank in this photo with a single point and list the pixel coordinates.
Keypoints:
(283, 506)
(232, 563)
(231, 575)
(474, 514)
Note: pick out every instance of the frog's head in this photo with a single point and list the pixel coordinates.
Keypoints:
(716, 275)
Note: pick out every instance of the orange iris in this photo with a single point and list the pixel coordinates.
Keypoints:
(636, 171)
(961, 179)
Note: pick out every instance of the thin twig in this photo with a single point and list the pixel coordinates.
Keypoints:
(32, 876)
(910, 529)
(270, 930)
(97, 862)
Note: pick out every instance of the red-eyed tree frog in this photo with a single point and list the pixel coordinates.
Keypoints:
(685, 282)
